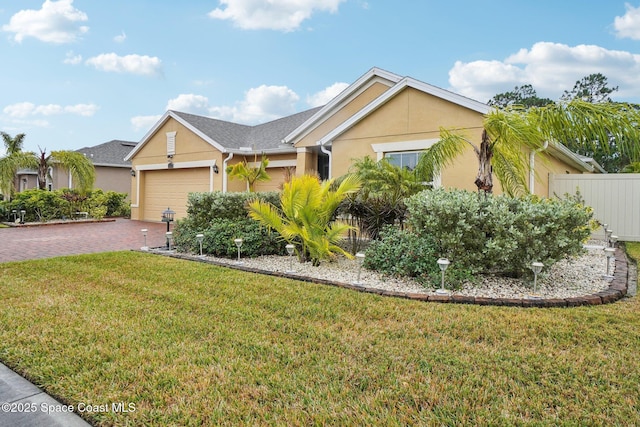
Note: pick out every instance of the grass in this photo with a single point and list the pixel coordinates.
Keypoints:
(194, 344)
(633, 250)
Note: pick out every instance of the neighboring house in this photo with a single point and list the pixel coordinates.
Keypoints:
(113, 173)
(381, 115)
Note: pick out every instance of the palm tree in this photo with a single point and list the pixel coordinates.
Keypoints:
(507, 131)
(80, 167)
(251, 175)
(306, 216)
(13, 160)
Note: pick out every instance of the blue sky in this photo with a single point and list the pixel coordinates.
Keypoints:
(78, 73)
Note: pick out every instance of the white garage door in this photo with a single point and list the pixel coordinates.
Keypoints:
(170, 188)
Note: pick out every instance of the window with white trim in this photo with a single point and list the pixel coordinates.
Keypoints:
(404, 159)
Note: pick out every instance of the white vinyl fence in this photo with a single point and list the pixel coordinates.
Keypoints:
(615, 199)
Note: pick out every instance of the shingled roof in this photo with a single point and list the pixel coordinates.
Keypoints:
(110, 153)
(234, 136)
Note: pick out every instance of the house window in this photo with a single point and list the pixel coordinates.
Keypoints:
(171, 144)
(406, 159)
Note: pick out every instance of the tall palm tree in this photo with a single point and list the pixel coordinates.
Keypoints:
(13, 160)
(507, 131)
(79, 166)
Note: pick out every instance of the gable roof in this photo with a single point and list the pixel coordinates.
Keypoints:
(374, 75)
(233, 137)
(397, 88)
(110, 153)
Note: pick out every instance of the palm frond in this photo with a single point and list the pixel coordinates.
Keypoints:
(441, 154)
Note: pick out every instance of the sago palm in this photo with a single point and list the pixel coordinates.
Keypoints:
(306, 216)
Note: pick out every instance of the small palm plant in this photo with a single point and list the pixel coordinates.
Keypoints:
(306, 216)
(250, 174)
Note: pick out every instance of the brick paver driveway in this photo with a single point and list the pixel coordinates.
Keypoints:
(22, 243)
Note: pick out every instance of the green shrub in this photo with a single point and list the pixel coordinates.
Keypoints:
(203, 208)
(40, 205)
(219, 236)
(500, 234)
(404, 253)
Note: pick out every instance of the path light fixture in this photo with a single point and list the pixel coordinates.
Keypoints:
(14, 212)
(238, 243)
(610, 253)
(200, 238)
(290, 250)
(22, 214)
(167, 216)
(614, 240)
(144, 236)
(360, 258)
(169, 235)
(443, 263)
(607, 236)
(536, 267)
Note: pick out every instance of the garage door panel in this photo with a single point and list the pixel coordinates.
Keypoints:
(170, 188)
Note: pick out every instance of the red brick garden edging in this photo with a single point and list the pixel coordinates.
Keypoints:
(617, 288)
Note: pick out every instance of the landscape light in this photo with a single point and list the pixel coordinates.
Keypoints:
(144, 235)
(360, 258)
(238, 243)
(200, 238)
(443, 263)
(290, 250)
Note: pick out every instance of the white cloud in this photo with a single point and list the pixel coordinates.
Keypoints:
(72, 58)
(23, 110)
(261, 104)
(326, 95)
(133, 64)
(550, 68)
(190, 103)
(283, 15)
(56, 22)
(120, 38)
(144, 123)
(628, 25)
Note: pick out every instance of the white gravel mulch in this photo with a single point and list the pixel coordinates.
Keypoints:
(573, 277)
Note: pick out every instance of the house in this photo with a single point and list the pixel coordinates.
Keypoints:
(381, 114)
(113, 173)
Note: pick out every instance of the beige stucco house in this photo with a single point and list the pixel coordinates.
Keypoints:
(382, 115)
(113, 173)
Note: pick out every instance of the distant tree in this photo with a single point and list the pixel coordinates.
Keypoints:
(12, 145)
(524, 96)
(592, 88)
(13, 160)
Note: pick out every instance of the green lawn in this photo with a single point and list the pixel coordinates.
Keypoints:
(193, 344)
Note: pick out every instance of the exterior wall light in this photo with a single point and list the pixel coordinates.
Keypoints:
(290, 250)
(144, 236)
(360, 258)
(238, 243)
(200, 238)
(215, 169)
(443, 263)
